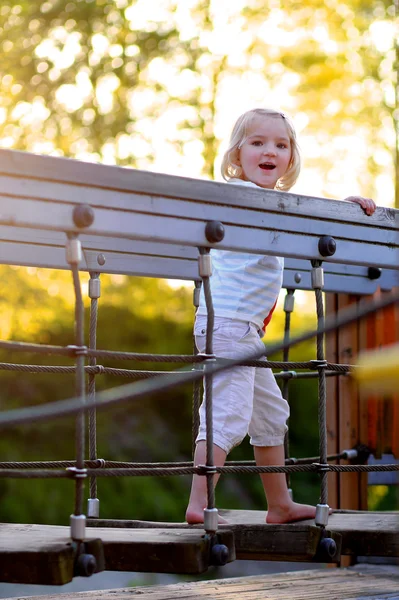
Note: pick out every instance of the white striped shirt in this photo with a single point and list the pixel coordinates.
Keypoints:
(244, 286)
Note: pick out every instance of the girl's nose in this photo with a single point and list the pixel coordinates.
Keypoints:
(269, 151)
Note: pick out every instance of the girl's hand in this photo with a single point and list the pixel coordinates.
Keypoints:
(367, 204)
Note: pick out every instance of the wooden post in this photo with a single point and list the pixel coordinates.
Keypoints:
(332, 403)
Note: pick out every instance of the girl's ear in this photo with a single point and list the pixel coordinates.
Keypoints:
(235, 159)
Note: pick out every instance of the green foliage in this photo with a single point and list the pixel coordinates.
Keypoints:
(138, 82)
(383, 497)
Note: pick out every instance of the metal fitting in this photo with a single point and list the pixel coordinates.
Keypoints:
(77, 473)
(318, 364)
(94, 288)
(322, 512)
(196, 296)
(350, 454)
(77, 350)
(206, 356)
(317, 277)
(289, 374)
(211, 519)
(206, 470)
(93, 508)
(73, 251)
(78, 527)
(209, 365)
(321, 467)
(205, 265)
(289, 302)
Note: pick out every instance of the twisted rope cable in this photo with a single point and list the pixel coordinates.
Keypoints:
(137, 374)
(100, 463)
(70, 351)
(80, 388)
(92, 385)
(197, 384)
(322, 408)
(163, 472)
(286, 380)
(208, 386)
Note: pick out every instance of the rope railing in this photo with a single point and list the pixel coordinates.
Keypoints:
(203, 366)
(101, 369)
(101, 463)
(70, 472)
(135, 391)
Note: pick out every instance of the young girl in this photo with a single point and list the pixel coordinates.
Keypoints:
(263, 152)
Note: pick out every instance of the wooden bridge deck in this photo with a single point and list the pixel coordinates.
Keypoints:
(362, 533)
(366, 582)
(45, 553)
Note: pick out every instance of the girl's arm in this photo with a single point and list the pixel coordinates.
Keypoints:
(367, 204)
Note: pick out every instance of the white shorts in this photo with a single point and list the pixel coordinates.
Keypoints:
(245, 399)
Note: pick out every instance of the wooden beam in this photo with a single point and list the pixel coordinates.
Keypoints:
(41, 192)
(375, 534)
(363, 583)
(41, 554)
(44, 554)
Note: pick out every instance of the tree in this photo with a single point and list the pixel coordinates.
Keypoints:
(157, 85)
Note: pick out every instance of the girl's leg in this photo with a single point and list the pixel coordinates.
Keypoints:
(232, 403)
(281, 508)
(198, 497)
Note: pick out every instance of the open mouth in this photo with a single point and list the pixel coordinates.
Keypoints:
(267, 166)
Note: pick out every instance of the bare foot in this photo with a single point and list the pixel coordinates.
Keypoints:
(290, 513)
(197, 516)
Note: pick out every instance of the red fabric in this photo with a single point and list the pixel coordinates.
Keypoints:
(269, 317)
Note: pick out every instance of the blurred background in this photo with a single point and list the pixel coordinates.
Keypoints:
(157, 85)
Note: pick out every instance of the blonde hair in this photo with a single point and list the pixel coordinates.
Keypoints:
(238, 135)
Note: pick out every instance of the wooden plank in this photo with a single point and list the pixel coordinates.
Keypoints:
(252, 541)
(39, 554)
(332, 402)
(44, 553)
(46, 249)
(261, 214)
(41, 192)
(349, 483)
(186, 230)
(362, 583)
(23, 165)
(363, 533)
(363, 418)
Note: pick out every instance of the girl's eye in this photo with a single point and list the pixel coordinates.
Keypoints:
(282, 146)
(256, 143)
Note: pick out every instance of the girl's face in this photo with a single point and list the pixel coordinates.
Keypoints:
(265, 153)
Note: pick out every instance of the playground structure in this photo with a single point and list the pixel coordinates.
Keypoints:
(122, 221)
